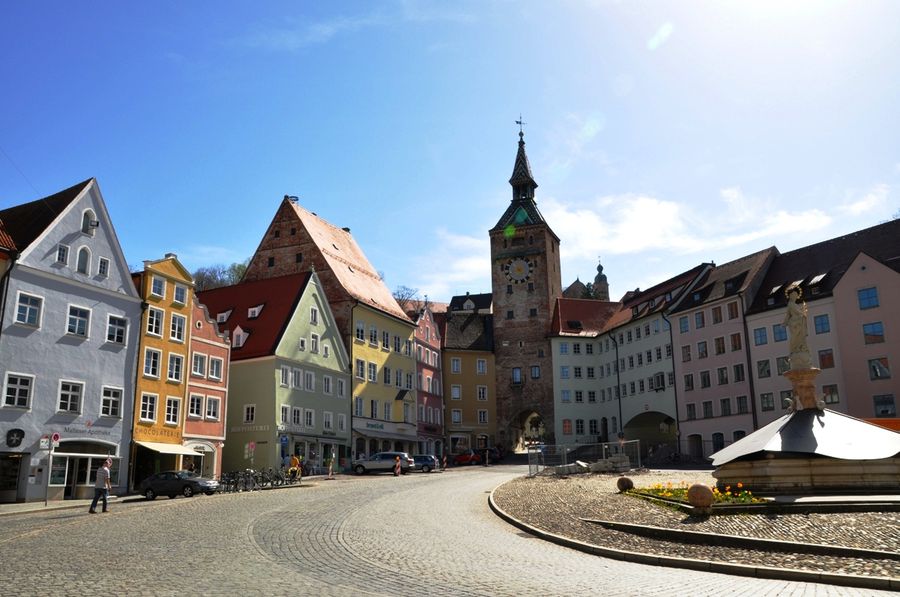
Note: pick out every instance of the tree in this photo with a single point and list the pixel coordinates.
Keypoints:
(408, 298)
(216, 276)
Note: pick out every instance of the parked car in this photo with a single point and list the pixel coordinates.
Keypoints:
(425, 462)
(383, 462)
(468, 457)
(173, 483)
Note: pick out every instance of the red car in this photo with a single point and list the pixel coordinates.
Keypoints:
(469, 457)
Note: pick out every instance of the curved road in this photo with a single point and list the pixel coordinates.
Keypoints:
(375, 535)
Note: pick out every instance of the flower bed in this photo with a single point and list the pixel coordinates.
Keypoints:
(678, 493)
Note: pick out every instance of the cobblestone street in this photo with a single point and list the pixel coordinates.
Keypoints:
(375, 535)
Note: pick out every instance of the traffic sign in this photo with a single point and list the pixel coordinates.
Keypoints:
(55, 439)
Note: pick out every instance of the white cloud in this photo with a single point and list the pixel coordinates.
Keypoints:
(661, 36)
(569, 142)
(456, 264)
(873, 200)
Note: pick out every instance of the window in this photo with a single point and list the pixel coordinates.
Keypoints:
(148, 407)
(296, 378)
(592, 427)
(683, 324)
(195, 405)
(455, 365)
(103, 267)
(116, 329)
(701, 350)
(176, 329)
(577, 372)
(685, 353)
(78, 321)
(516, 375)
(111, 402)
(579, 395)
(249, 413)
(326, 384)
(456, 392)
(826, 358)
(831, 394)
(70, 393)
(342, 422)
(285, 413)
(212, 408)
(631, 361)
(360, 330)
(704, 379)
(215, 368)
(690, 412)
(373, 335)
(176, 363)
(576, 348)
(879, 369)
(173, 407)
(717, 315)
(157, 287)
(719, 343)
(783, 364)
(373, 372)
(28, 311)
(151, 362)
(736, 342)
(591, 374)
(154, 321)
(18, 390)
(779, 333)
(579, 426)
(297, 414)
(699, 320)
(742, 406)
(732, 310)
(327, 420)
(456, 416)
(481, 367)
(314, 343)
(822, 325)
(738, 373)
(786, 398)
(340, 388)
(762, 369)
(759, 336)
(592, 396)
(567, 426)
(198, 366)
(386, 340)
(396, 343)
(482, 416)
(722, 375)
(707, 409)
(688, 382)
(482, 393)
(868, 298)
(884, 405)
(180, 296)
(309, 381)
(725, 406)
(301, 344)
(535, 372)
(62, 255)
(565, 396)
(564, 372)
(873, 333)
(360, 369)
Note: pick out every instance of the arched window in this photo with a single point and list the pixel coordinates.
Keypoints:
(718, 441)
(88, 222)
(84, 260)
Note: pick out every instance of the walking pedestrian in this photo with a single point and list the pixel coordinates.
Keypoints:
(295, 467)
(102, 487)
(397, 466)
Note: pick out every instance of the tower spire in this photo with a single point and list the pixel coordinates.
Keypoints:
(522, 180)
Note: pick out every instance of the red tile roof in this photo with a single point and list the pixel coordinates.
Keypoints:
(581, 317)
(349, 264)
(7, 244)
(278, 298)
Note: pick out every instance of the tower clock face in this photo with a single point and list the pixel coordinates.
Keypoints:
(518, 269)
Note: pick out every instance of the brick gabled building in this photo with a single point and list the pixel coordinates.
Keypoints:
(377, 334)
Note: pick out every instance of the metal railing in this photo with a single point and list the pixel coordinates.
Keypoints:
(625, 455)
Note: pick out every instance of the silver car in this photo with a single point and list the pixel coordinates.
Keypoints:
(383, 462)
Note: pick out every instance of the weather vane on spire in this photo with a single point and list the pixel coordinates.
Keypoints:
(521, 123)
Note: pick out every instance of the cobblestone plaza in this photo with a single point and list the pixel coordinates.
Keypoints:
(418, 534)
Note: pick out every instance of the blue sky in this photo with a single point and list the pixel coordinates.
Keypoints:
(662, 134)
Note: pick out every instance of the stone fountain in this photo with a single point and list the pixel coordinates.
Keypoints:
(812, 449)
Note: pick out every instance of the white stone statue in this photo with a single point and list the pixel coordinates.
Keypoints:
(795, 320)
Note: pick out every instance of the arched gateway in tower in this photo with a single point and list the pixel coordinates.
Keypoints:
(525, 281)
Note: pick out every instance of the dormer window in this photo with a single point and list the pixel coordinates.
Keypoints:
(89, 222)
(223, 316)
(468, 305)
(253, 312)
(240, 337)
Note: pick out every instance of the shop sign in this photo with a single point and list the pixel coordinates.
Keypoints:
(14, 438)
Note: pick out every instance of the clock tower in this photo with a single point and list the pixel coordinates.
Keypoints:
(525, 281)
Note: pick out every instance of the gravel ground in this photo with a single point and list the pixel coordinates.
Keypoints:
(555, 504)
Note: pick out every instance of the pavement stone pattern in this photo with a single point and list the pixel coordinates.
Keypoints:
(418, 534)
(556, 504)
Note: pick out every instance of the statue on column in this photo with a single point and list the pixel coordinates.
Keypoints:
(796, 322)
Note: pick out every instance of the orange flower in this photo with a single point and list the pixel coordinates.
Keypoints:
(740, 485)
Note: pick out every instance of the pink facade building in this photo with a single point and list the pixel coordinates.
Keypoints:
(207, 401)
(429, 393)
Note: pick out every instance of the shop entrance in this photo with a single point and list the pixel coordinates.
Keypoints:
(10, 469)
